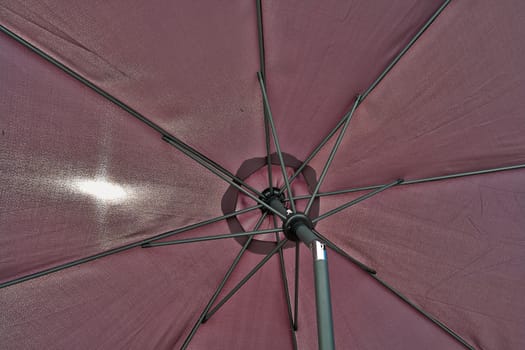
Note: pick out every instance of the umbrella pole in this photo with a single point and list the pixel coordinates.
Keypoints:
(325, 327)
(298, 227)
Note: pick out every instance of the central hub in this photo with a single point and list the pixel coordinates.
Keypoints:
(271, 194)
(255, 172)
(293, 224)
(296, 226)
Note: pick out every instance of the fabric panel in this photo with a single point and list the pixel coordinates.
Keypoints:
(320, 55)
(80, 176)
(455, 247)
(142, 298)
(366, 315)
(188, 66)
(454, 103)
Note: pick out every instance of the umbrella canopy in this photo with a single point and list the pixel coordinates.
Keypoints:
(397, 127)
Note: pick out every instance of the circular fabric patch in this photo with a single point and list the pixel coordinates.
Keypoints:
(255, 173)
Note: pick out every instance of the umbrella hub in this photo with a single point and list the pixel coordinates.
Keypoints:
(259, 175)
(295, 225)
(270, 194)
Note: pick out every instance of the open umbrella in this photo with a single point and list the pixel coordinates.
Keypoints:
(161, 163)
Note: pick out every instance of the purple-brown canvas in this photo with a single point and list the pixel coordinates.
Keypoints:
(171, 171)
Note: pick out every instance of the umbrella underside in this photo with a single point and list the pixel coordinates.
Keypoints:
(396, 128)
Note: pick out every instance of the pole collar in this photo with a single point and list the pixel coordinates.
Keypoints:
(292, 222)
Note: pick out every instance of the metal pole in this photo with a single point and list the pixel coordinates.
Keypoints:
(325, 327)
(298, 227)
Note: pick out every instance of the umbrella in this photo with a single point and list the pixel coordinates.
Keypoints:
(161, 163)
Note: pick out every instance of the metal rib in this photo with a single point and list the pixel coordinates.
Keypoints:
(424, 313)
(348, 118)
(209, 238)
(186, 149)
(371, 87)
(123, 248)
(268, 150)
(222, 284)
(406, 48)
(355, 201)
(316, 151)
(226, 178)
(245, 279)
(260, 39)
(276, 141)
(417, 181)
(344, 254)
(286, 289)
(296, 286)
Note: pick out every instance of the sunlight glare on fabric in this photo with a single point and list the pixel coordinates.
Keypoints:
(101, 189)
